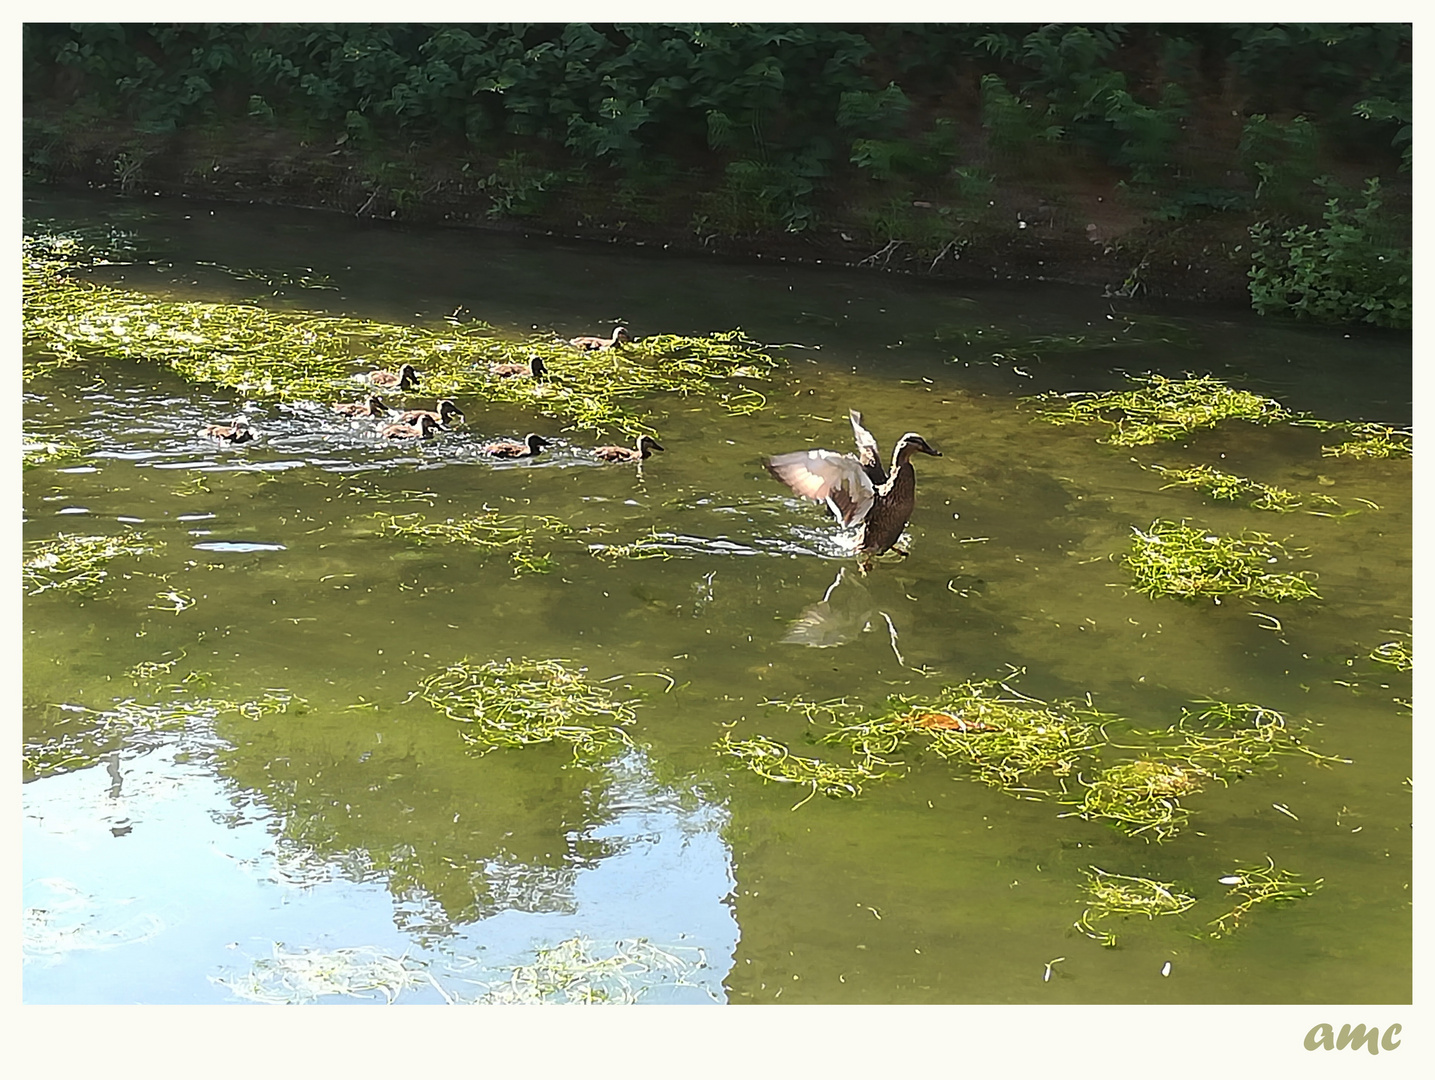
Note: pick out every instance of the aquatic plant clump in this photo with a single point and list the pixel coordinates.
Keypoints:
(1373, 441)
(527, 702)
(289, 356)
(773, 761)
(573, 973)
(301, 976)
(1397, 654)
(1171, 559)
(1228, 486)
(1247, 736)
(1142, 798)
(1119, 894)
(78, 562)
(1256, 885)
(1159, 408)
(1007, 738)
(38, 451)
(513, 534)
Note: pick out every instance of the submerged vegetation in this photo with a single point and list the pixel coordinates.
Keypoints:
(38, 451)
(77, 563)
(1171, 559)
(1256, 885)
(574, 973)
(296, 355)
(1142, 796)
(1373, 441)
(1119, 894)
(1228, 486)
(512, 534)
(516, 703)
(1160, 409)
(773, 761)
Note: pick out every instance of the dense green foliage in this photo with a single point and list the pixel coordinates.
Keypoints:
(776, 128)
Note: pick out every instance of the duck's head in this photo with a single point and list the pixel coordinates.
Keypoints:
(407, 374)
(647, 442)
(427, 423)
(912, 443)
(447, 409)
(537, 366)
(620, 335)
(535, 442)
(376, 405)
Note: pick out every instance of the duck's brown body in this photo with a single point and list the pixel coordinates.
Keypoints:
(879, 510)
(422, 430)
(506, 449)
(646, 445)
(594, 344)
(446, 411)
(535, 368)
(372, 407)
(399, 380)
(237, 433)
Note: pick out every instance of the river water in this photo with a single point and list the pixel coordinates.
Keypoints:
(233, 857)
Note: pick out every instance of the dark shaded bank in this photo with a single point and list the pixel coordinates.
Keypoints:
(1264, 164)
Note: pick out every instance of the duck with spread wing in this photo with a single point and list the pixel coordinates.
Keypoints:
(856, 488)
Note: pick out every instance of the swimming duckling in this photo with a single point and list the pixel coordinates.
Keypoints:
(424, 429)
(527, 448)
(401, 381)
(880, 511)
(646, 445)
(374, 406)
(535, 367)
(446, 411)
(238, 432)
(594, 344)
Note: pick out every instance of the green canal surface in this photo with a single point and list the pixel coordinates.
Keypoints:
(237, 787)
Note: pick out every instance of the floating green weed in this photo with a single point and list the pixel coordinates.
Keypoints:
(645, 547)
(88, 733)
(1228, 486)
(1006, 737)
(77, 562)
(287, 355)
(1373, 441)
(571, 973)
(1247, 736)
(490, 531)
(1142, 798)
(1259, 885)
(46, 451)
(773, 761)
(1173, 559)
(1119, 894)
(1396, 653)
(1160, 408)
(300, 976)
(526, 702)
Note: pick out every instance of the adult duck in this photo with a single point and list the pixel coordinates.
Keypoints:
(596, 344)
(445, 412)
(400, 380)
(238, 432)
(534, 368)
(424, 429)
(508, 449)
(372, 406)
(646, 445)
(880, 511)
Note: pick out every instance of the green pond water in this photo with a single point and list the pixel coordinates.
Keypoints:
(354, 841)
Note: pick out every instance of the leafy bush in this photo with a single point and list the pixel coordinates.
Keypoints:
(1346, 271)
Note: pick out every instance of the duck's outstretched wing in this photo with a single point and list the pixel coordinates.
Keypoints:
(867, 453)
(822, 476)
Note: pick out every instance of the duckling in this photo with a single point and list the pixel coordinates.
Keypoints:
(527, 448)
(880, 511)
(646, 445)
(238, 432)
(374, 406)
(401, 381)
(424, 429)
(535, 367)
(446, 411)
(594, 344)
